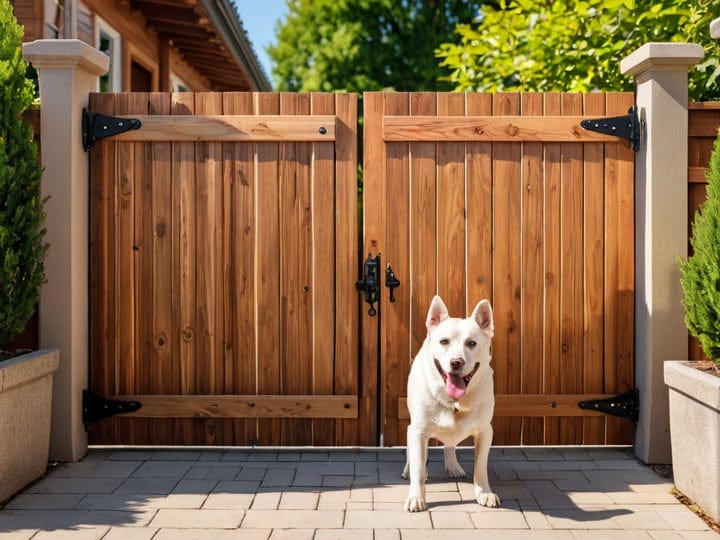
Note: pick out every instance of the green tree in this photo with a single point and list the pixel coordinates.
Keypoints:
(22, 250)
(701, 272)
(575, 45)
(358, 45)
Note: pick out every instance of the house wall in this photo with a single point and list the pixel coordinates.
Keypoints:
(139, 43)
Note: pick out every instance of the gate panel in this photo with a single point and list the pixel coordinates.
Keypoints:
(216, 298)
(531, 212)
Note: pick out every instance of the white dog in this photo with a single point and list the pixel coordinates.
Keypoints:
(450, 397)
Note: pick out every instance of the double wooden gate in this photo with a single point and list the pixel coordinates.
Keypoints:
(226, 243)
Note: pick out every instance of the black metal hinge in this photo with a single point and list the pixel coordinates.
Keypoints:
(625, 127)
(625, 405)
(100, 126)
(96, 408)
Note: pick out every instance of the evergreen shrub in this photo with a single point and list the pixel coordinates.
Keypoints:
(701, 271)
(22, 250)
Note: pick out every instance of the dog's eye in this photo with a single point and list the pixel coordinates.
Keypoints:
(445, 341)
(471, 343)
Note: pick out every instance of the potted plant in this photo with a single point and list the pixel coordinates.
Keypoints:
(694, 387)
(25, 379)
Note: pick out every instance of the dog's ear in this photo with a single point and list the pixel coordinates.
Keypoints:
(483, 315)
(436, 314)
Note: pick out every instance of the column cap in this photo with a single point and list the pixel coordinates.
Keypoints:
(66, 53)
(661, 57)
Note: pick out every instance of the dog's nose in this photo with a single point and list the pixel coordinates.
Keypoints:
(457, 363)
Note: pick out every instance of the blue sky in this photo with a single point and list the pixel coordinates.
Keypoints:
(259, 18)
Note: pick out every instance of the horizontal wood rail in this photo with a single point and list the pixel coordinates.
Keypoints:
(230, 406)
(490, 129)
(221, 128)
(533, 405)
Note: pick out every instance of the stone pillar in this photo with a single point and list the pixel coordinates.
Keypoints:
(68, 70)
(661, 230)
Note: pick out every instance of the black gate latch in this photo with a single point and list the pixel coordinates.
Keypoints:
(96, 408)
(370, 282)
(625, 405)
(100, 126)
(625, 127)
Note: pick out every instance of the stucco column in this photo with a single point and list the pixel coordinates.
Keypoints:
(68, 71)
(661, 230)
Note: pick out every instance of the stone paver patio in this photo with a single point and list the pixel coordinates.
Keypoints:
(558, 493)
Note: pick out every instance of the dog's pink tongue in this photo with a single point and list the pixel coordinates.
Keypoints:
(455, 386)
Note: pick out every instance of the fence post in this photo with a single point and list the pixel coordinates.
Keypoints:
(661, 230)
(67, 70)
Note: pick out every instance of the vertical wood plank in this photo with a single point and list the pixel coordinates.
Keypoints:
(347, 267)
(239, 268)
(296, 269)
(506, 269)
(479, 190)
(571, 225)
(209, 201)
(620, 430)
(373, 243)
(267, 269)
(323, 273)
(185, 271)
(103, 275)
(552, 158)
(531, 330)
(395, 358)
(451, 211)
(593, 256)
(423, 225)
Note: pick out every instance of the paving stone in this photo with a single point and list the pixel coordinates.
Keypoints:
(236, 455)
(130, 533)
(229, 501)
(344, 534)
(133, 501)
(610, 535)
(213, 455)
(353, 457)
(278, 478)
(683, 519)
(162, 469)
(266, 501)
(499, 518)
(314, 456)
(451, 520)
(197, 519)
(212, 534)
(44, 501)
(197, 473)
(334, 500)
(293, 519)
(195, 486)
(251, 474)
(299, 501)
(292, 534)
(70, 519)
(75, 485)
(535, 518)
(131, 455)
(176, 455)
(237, 486)
(160, 486)
(331, 480)
(79, 533)
(258, 455)
(576, 518)
(472, 534)
(386, 519)
(387, 534)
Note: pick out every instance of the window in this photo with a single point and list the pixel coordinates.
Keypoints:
(108, 42)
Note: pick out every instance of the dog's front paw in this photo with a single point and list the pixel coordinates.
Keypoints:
(455, 471)
(415, 504)
(488, 499)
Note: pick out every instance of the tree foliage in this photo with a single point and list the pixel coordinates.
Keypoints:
(22, 250)
(701, 271)
(359, 45)
(575, 45)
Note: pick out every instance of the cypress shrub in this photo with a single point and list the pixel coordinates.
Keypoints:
(22, 250)
(701, 271)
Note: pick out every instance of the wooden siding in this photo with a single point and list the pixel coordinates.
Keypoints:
(703, 124)
(224, 271)
(541, 225)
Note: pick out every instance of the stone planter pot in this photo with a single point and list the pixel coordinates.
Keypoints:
(25, 406)
(694, 402)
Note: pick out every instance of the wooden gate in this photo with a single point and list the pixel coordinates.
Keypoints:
(225, 250)
(223, 262)
(530, 211)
